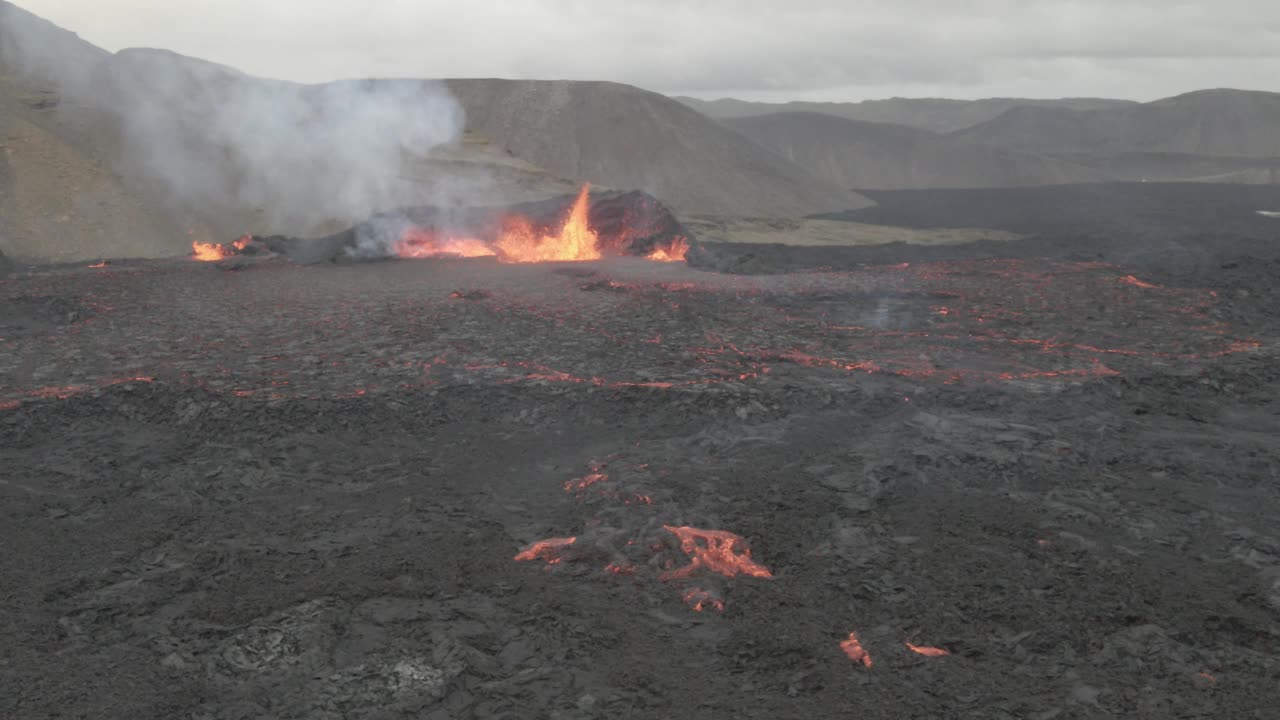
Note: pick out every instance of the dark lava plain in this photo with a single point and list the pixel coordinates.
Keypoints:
(255, 489)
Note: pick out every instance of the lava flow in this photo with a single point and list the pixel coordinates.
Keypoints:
(927, 651)
(699, 600)
(419, 243)
(852, 647)
(212, 252)
(715, 550)
(548, 550)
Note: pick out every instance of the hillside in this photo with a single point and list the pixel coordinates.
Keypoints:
(626, 137)
(1180, 167)
(877, 156)
(137, 152)
(934, 114)
(1208, 122)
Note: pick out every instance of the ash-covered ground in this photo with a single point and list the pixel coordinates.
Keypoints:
(256, 489)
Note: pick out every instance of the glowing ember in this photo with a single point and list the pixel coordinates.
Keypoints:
(548, 550)
(621, 568)
(212, 252)
(715, 550)
(675, 252)
(700, 600)
(597, 475)
(419, 243)
(927, 651)
(853, 648)
(99, 264)
(208, 252)
(1131, 280)
(576, 241)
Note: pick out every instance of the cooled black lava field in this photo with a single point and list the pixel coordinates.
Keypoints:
(978, 488)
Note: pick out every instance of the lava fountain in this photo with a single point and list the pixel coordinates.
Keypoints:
(575, 241)
(517, 241)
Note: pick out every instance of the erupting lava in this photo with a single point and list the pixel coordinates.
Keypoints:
(521, 243)
(518, 240)
(715, 550)
(675, 252)
(853, 648)
(212, 252)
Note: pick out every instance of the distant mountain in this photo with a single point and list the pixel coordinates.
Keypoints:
(876, 156)
(1179, 167)
(935, 114)
(1208, 122)
(630, 138)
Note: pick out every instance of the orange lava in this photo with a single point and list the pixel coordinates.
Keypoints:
(1131, 280)
(208, 252)
(700, 600)
(575, 241)
(715, 550)
(597, 475)
(927, 651)
(675, 252)
(548, 550)
(419, 243)
(853, 648)
(621, 568)
(99, 264)
(212, 252)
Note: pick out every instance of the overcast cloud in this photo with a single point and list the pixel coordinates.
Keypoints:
(754, 49)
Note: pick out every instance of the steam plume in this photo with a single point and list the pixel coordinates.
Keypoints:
(206, 138)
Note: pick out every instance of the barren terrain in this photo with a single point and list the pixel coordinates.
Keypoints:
(1029, 488)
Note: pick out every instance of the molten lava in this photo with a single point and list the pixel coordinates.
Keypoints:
(700, 600)
(519, 239)
(927, 651)
(715, 550)
(548, 550)
(586, 481)
(212, 252)
(419, 243)
(853, 648)
(575, 241)
(673, 252)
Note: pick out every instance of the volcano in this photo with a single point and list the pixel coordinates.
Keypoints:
(586, 226)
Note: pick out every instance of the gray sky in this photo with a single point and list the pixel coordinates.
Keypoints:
(754, 49)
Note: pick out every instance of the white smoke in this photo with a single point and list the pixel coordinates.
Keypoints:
(299, 153)
(205, 138)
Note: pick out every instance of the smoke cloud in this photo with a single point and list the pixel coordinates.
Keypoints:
(205, 138)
